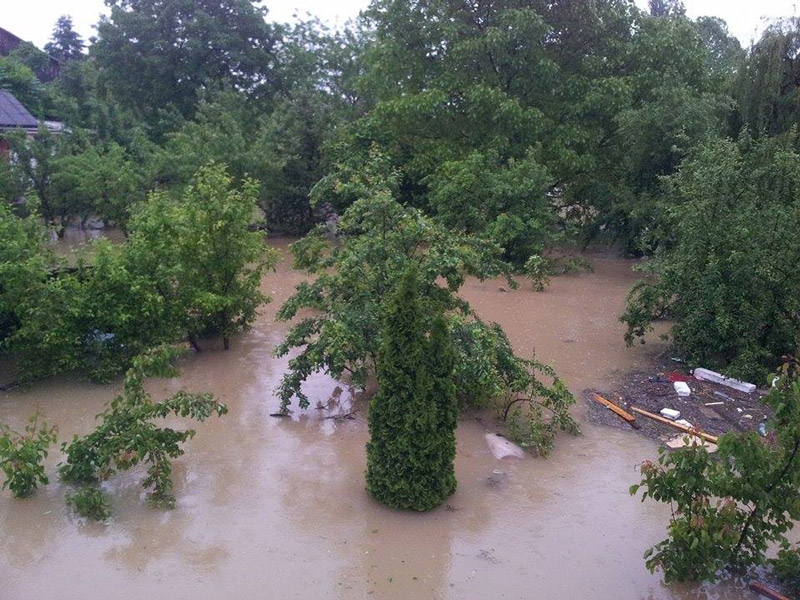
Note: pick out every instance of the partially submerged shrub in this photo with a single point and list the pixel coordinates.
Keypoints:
(127, 435)
(90, 502)
(486, 367)
(538, 269)
(21, 456)
(539, 412)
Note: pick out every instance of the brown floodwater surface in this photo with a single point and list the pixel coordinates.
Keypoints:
(276, 508)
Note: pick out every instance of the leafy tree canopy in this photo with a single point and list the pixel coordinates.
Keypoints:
(726, 277)
(157, 56)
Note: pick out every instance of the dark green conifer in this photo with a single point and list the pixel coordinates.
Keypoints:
(412, 418)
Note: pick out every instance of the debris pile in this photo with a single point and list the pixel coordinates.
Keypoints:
(667, 404)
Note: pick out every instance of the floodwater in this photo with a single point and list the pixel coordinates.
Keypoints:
(276, 508)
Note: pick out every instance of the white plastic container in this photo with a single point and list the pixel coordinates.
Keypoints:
(682, 388)
(706, 375)
(670, 413)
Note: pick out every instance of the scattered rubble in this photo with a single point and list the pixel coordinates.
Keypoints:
(713, 408)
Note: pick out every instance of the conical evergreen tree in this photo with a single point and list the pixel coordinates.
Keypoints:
(65, 44)
(441, 360)
(412, 418)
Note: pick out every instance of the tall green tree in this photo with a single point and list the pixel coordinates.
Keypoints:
(174, 49)
(221, 261)
(412, 417)
(725, 274)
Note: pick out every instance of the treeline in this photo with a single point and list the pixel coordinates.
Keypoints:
(527, 124)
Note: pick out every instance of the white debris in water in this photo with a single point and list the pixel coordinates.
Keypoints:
(502, 448)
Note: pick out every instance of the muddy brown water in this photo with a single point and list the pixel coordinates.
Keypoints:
(276, 508)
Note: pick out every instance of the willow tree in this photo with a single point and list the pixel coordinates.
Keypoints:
(412, 418)
(767, 84)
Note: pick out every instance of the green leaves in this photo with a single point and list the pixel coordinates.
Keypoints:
(377, 240)
(412, 418)
(722, 276)
(191, 265)
(21, 456)
(218, 261)
(89, 502)
(153, 45)
(127, 437)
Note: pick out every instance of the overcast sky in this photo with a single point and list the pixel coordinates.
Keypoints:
(33, 19)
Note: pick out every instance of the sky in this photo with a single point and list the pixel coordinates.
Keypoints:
(33, 20)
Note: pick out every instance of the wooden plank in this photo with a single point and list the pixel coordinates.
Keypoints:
(618, 410)
(706, 436)
(760, 588)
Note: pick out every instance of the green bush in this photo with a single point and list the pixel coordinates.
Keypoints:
(21, 456)
(127, 435)
(727, 278)
(90, 502)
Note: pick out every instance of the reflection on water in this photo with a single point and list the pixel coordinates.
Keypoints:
(276, 508)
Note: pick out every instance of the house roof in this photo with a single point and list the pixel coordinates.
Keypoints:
(10, 42)
(13, 114)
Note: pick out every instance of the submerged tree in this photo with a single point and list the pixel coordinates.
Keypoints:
(127, 436)
(377, 239)
(191, 266)
(358, 260)
(220, 261)
(412, 418)
(21, 456)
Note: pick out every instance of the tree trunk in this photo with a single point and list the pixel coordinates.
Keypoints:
(193, 342)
